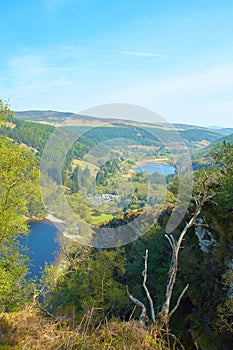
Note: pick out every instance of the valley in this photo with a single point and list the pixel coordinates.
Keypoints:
(111, 189)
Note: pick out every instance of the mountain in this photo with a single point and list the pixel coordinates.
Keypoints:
(50, 116)
(194, 137)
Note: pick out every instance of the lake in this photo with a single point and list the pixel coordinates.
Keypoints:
(43, 245)
(155, 167)
(42, 241)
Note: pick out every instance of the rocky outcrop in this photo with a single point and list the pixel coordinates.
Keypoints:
(205, 237)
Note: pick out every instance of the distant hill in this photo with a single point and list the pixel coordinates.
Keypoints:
(194, 136)
(215, 127)
(228, 138)
(201, 157)
(61, 117)
(46, 116)
(223, 131)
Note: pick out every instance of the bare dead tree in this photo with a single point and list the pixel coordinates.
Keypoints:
(143, 317)
(165, 314)
(144, 274)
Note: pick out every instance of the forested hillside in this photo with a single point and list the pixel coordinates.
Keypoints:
(33, 135)
(193, 135)
(96, 298)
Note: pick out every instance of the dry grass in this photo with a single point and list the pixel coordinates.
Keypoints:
(26, 330)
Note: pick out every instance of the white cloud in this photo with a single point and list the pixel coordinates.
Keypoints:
(203, 97)
(65, 78)
(30, 78)
(146, 54)
(203, 82)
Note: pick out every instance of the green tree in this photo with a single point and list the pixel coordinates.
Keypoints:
(18, 176)
(5, 111)
(225, 310)
(209, 294)
(89, 281)
(223, 157)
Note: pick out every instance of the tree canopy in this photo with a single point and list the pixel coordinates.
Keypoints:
(18, 188)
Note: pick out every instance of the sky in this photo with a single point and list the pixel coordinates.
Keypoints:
(173, 57)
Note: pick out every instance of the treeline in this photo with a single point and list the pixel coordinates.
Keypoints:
(33, 135)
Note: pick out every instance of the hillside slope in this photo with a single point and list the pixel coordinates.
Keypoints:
(193, 136)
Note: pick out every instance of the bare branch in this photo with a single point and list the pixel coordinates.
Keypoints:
(43, 309)
(179, 300)
(196, 201)
(212, 201)
(202, 225)
(165, 314)
(169, 240)
(176, 245)
(143, 317)
(173, 240)
(144, 274)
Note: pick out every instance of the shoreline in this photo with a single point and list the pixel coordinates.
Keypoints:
(153, 160)
(34, 219)
(49, 218)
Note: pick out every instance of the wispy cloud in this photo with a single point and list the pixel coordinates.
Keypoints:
(65, 78)
(30, 77)
(201, 97)
(52, 78)
(146, 54)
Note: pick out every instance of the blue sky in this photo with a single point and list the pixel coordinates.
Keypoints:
(174, 57)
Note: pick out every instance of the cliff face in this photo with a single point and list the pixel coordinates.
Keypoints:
(205, 237)
(123, 230)
(118, 231)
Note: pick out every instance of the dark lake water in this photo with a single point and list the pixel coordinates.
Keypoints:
(43, 245)
(153, 167)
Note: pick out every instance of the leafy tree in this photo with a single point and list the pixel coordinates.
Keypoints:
(223, 157)
(89, 281)
(18, 175)
(5, 111)
(225, 310)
